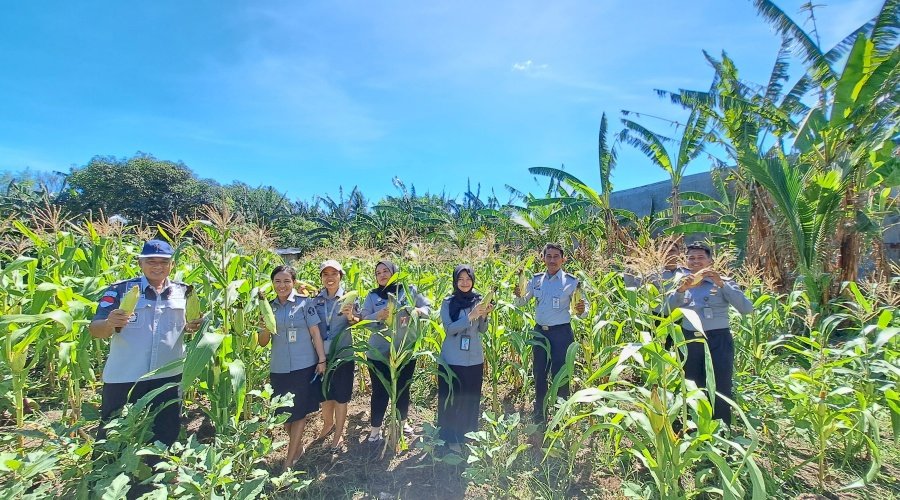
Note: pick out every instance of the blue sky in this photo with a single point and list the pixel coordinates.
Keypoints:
(308, 95)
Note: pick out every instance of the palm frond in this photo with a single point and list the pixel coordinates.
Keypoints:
(886, 27)
(648, 143)
(779, 73)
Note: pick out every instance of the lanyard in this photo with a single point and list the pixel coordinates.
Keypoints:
(330, 312)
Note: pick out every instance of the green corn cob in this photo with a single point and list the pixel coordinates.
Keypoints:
(265, 309)
(192, 308)
(129, 301)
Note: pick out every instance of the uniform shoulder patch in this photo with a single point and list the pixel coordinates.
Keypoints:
(311, 311)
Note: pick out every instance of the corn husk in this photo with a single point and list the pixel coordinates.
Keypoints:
(488, 297)
(238, 321)
(130, 299)
(391, 310)
(265, 310)
(192, 308)
(575, 299)
(349, 298)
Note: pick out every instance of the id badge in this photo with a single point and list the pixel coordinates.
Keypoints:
(707, 312)
(292, 335)
(556, 302)
(464, 342)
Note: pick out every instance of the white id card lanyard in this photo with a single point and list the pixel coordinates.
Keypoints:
(707, 311)
(292, 330)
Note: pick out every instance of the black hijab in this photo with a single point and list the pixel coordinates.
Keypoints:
(462, 300)
(383, 291)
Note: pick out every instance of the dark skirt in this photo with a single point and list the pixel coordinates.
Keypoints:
(307, 393)
(339, 381)
(458, 410)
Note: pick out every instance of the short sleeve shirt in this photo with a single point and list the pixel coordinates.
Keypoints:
(292, 347)
(332, 324)
(153, 336)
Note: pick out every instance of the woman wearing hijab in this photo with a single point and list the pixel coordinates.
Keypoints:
(384, 333)
(459, 386)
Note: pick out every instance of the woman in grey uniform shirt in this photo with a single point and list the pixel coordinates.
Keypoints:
(297, 361)
(459, 397)
(705, 292)
(375, 309)
(335, 320)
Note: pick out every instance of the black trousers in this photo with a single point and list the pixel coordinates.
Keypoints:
(559, 337)
(721, 350)
(458, 410)
(380, 395)
(167, 423)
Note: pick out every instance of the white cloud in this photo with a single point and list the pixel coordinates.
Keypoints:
(528, 65)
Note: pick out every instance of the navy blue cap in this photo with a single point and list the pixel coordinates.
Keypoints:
(156, 248)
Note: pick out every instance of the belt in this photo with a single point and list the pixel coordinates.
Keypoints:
(547, 328)
(714, 331)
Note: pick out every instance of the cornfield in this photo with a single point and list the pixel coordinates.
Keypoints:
(817, 402)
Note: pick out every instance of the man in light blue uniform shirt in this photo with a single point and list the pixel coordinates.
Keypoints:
(553, 292)
(711, 296)
(144, 341)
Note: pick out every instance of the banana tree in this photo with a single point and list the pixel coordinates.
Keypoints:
(583, 199)
(692, 142)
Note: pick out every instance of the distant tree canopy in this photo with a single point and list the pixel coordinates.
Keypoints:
(138, 188)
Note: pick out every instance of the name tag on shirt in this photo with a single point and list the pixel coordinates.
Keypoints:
(556, 302)
(464, 342)
(707, 312)
(292, 335)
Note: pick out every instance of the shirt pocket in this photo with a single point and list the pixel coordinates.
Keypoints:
(143, 313)
(173, 312)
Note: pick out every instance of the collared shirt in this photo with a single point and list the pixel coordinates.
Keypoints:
(454, 331)
(711, 303)
(297, 314)
(552, 294)
(153, 336)
(332, 324)
(381, 332)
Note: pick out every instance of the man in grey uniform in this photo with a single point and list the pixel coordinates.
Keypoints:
(144, 341)
(553, 292)
(709, 295)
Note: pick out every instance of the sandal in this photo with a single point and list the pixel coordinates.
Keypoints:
(375, 436)
(323, 434)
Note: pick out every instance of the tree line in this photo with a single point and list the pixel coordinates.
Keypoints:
(805, 170)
